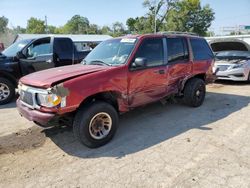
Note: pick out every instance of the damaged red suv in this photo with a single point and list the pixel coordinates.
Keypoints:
(117, 76)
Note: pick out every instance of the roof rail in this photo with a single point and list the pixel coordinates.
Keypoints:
(176, 32)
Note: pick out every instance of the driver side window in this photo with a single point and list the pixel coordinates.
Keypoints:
(152, 50)
(38, 48)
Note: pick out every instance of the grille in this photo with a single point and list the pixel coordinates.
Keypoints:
(223, 67)
(26, 97)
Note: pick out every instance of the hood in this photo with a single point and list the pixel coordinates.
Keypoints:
(4, 59)
(47, 78)
(229, 62)
(229, 44)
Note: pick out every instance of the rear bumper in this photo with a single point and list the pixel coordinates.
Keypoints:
(34, 115)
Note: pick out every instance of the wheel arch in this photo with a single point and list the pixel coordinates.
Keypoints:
(201, 76)
(10, 77)
(111, 97)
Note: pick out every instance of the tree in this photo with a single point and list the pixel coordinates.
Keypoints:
(106, 30)
(51, 29)
(131, 24)
(158, 11)
(140, 25)
(189, 16)
(35, 26)
(118, 29)
(77, 25)
(93, 29)
(3, 24)
(18, 30)
(153, 20)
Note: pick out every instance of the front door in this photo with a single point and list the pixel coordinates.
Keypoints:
(38, 56)
(149, 83)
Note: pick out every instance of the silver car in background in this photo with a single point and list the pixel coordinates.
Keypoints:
(233, 65)
(232, 59)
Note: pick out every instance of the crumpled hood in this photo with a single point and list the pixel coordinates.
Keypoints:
(47, 78)
(229, 62)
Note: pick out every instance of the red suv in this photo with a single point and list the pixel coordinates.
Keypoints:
(117, 76)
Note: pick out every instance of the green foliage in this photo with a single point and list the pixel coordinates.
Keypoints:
(35, 26)
(156, 14)
(162, 15)
(173, 15)
(118, 29)
(93, 29)
(77, 25)
(51, 29)
(106, 30)
(189, 16)
(3, 24)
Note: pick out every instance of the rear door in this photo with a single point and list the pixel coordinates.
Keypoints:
(63, 49)
(179, 64)
(148, 84)
(38, 56)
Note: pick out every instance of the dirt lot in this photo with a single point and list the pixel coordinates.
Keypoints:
(155, 146)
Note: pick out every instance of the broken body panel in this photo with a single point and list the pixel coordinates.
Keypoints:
(130, 88)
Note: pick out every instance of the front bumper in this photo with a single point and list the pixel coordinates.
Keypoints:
(239, 74)
(36, 116)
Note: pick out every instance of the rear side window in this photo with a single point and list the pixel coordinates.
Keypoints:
(201, 50)
(177, 49)
(63, 48)
(152, 50)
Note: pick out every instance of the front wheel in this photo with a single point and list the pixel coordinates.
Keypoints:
(7, 91)
(194, 92)
(95, 125)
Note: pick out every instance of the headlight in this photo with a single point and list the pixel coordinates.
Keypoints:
(240, 65)
(48, 100)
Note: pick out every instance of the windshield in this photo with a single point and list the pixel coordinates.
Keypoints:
(111, 52)
(232, 54)
(14, 48)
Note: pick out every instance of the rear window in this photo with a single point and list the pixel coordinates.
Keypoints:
(201, 50)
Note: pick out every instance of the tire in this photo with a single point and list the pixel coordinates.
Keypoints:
(194, 92)
(84, 122)
(7, 91)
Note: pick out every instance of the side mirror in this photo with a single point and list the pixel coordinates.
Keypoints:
(20, 55)
(140, 62)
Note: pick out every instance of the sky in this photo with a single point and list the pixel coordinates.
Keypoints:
(105, 12)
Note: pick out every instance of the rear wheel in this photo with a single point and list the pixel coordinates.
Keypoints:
(96, 124)
(194, 92)
(7, 91)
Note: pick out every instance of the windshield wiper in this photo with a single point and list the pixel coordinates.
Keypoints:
(99, 62)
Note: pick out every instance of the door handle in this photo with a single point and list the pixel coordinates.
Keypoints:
(161, 71)
(49, 61)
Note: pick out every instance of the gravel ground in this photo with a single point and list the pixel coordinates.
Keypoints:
(156, 146)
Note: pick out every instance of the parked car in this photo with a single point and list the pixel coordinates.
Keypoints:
(118, 75)
(232, 59)
(31, 55)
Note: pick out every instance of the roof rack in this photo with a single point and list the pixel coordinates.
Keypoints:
(176, 32)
